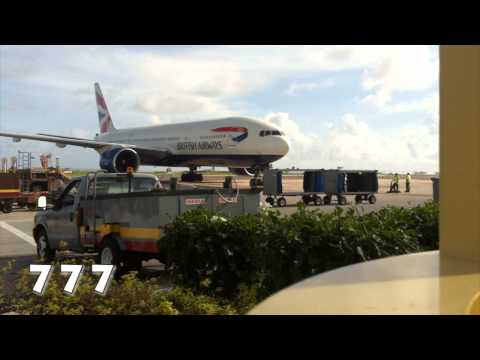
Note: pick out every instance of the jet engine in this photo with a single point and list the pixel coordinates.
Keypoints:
(119, 160)
(242, 171)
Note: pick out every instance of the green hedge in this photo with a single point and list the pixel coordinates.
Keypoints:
(264, 253)
(227, 265)
(128, 296)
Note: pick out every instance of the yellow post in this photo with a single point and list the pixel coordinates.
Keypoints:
(459, 178)
(460, 151)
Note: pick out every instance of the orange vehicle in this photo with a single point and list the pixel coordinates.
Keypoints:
(9, 191)
(22, 184)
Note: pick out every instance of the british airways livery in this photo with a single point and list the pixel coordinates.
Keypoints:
(246, 146)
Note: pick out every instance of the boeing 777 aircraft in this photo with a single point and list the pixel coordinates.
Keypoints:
(244, 145)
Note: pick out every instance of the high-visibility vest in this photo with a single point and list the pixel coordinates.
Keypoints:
(396, 179)
(409, 178)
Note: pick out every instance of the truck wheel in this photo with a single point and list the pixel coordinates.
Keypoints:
(327, 200)
(132, 263)
(306, 200)
(282, 202)
(358, 199)
(342, 200)
(318, 201)
(372, 199)
(44, 251)
(269, 200)
(110, 253)
(7, 207)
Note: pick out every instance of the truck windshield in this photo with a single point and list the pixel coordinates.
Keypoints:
(119, 185)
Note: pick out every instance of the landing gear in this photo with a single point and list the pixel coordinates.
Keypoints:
(257, 181)
(342, 200)
(192, 176)
(317, 200)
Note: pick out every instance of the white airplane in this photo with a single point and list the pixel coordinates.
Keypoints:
(246, 146)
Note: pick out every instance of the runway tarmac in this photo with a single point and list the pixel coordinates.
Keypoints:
(420, 192)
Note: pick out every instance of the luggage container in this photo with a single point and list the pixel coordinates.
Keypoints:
(314, 181)
(361, 183)
(313, 184)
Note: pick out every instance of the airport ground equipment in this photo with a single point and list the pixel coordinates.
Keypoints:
(9, 191)
(436, 188)
(22, 185)
(340, 183)
(273, 188)
(392, 189)
(122, 216)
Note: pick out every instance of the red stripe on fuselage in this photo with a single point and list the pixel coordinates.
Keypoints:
(230, 129)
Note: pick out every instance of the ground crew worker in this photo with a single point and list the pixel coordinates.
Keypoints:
(396, 181)
(408, 180)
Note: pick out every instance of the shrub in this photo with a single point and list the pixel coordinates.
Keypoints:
(226, 265)
(205, 251)
(266, 252)
(127, 296)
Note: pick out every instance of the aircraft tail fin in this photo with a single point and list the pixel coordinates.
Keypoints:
(104, 118)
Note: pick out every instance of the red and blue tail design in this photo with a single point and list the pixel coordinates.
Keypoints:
(104, 118)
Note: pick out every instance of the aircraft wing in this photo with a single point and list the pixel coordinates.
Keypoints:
(87, 143)
(62, 140)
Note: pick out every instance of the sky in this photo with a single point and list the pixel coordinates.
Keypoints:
(359, 107)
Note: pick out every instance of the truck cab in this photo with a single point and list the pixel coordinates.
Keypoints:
(62, 225)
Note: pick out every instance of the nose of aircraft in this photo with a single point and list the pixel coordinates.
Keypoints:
(284, 145)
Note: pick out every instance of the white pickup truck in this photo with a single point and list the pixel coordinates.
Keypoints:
(121, 216)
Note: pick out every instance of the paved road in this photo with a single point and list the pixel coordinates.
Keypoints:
(16, 243)
(383, 200)
(16, 234)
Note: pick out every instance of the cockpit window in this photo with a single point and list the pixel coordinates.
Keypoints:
(271, 132)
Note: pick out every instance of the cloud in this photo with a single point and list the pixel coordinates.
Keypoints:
(426, 110)
(296, 88)
(403, 69)
(299, 141)
(180, 108)
(352, 143)
(217, 72)
(169, 84)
